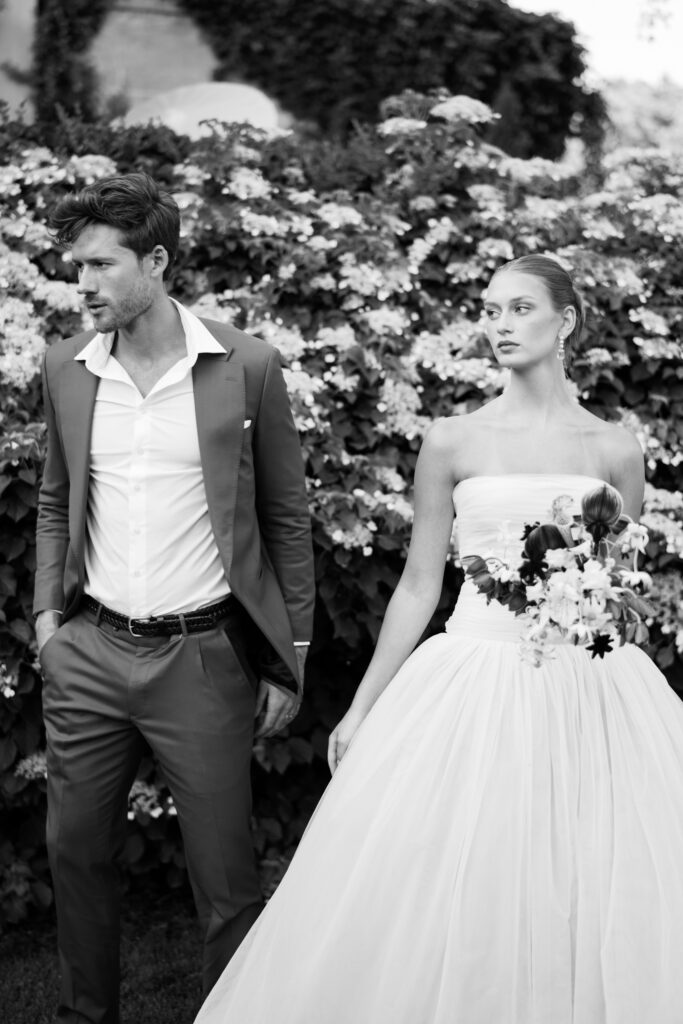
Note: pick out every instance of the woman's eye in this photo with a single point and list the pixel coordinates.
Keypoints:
(491, 314)
(521, 309)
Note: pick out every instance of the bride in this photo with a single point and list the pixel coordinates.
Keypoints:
(500, 843)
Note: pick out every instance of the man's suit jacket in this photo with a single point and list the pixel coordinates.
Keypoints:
(253, 474)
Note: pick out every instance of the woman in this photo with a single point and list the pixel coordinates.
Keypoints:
(500, 843)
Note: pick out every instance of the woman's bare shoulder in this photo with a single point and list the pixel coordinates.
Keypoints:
(455, 438)
(618, 447)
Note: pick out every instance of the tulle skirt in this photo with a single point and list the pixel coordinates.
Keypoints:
(502, 844)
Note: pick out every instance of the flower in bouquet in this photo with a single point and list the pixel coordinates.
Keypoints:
(570, 581)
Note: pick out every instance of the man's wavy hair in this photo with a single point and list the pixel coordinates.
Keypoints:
(133, 203)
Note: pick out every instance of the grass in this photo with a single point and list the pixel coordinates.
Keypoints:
(160, 964)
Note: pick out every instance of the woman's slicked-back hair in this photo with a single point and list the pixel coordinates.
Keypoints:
(560, 287)
(133, 203)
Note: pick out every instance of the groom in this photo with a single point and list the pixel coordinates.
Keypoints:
(174, 583)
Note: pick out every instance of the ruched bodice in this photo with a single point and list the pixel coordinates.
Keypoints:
(491, 512)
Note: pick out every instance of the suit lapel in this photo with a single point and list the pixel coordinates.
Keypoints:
(76, 400)
(220, 406)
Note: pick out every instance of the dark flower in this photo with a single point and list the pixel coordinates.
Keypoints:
(540, 539)
(601, 510)
(601, 646)
(528, 527)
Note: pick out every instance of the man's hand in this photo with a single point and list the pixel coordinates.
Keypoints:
(47, 623)
(275, 708)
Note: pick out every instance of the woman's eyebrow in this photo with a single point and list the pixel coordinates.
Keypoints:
(518, 298)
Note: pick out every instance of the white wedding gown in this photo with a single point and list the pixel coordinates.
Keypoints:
(501, 844)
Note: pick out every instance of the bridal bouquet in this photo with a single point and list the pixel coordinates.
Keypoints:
(577, 578)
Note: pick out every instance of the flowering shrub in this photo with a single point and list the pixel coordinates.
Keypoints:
(365, 266)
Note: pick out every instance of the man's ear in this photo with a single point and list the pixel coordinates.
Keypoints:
(159, 258)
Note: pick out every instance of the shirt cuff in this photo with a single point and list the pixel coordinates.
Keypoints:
(302, 643)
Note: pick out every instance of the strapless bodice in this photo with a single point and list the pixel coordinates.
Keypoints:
(491, 512)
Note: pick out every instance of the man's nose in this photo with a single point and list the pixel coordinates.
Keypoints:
(86, 281)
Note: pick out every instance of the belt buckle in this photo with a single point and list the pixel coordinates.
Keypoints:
(131, 620)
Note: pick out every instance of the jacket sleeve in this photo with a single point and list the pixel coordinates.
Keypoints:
(282, 501)
(52, 531)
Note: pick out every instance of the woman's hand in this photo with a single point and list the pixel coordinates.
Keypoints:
(341, 737)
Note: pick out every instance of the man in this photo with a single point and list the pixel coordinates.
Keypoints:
(174, 583)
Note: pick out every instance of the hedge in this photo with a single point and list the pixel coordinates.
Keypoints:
(364, 264)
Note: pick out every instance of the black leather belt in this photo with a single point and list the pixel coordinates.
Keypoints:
(163, 625)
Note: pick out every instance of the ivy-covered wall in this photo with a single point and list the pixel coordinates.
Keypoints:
(364, 263)
(332, 62)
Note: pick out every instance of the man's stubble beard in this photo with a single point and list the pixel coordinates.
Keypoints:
(126, 311)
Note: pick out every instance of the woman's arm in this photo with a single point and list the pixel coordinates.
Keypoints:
(627, 471)
(417, 594)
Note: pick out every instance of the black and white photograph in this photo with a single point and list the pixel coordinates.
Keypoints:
(341, 512)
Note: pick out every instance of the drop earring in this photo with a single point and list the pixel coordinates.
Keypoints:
(560, 347)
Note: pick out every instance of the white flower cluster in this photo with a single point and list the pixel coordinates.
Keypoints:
(8, 682)
(379, 501)
(598, 357)
(262, 224)
(144, 802)
(659, 348)
(190, 175)
(670, 529)
(491, 203)
(215, 306)
(667, 598)
(21, 343)
(653, 323)
(339, 380)
(89, 167)
(33, 767)
(247, 183)
(399, 403)
(288, 340)
(401, 126)
(526, 172)
(439, 231)
(493, 250)
(659, 215)
(33, 235)
(11, 178)
(360, 535)
(338, 215)
(60, 296)
(654, 449)
(385, 320)
(341, 338)
(361, 278)
(463, 110)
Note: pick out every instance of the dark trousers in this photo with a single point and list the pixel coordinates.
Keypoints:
(190, 698)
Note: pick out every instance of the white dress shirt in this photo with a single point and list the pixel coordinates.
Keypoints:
(150, 549)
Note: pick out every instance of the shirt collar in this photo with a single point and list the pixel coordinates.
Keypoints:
(198, 340)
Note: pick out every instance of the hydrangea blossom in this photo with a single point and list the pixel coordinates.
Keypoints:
(385, 320)
(463, 110)
(247, 183)
(33, 767)
(401, 126)
(338, 215)
(399, 402)
(21, 343)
